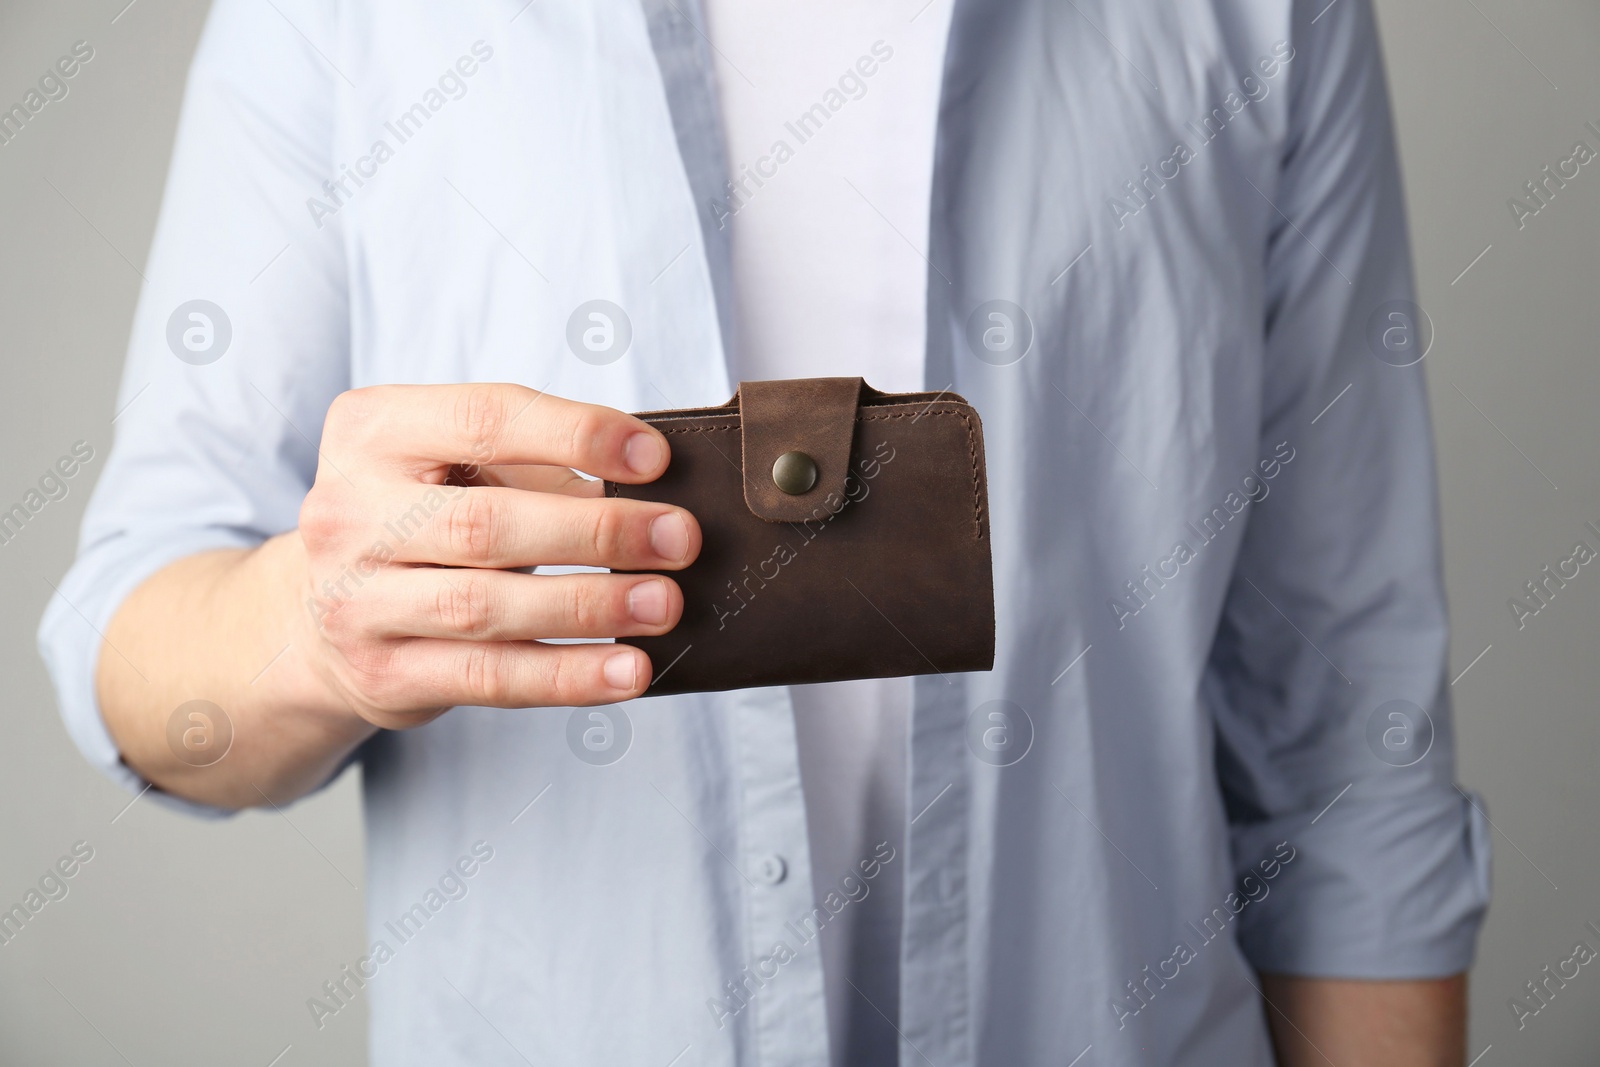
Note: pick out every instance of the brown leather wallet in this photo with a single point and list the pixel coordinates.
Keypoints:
(846, 535)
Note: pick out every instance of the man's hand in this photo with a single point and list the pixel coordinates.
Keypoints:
(1329, 1022)
(395, 599)
(415, 604)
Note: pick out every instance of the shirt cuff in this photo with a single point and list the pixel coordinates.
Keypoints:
(1378, 887)
(70, 640)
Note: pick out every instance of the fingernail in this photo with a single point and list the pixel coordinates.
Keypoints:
(669, 536)
(642, 453)
(620, 671)
(647, 602)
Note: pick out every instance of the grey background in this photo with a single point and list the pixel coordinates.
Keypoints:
(187, 942)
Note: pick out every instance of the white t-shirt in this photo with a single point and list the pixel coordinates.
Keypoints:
(829, 109)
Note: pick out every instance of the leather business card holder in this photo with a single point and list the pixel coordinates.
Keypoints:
(845, 535)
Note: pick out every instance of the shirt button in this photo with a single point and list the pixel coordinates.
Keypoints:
(771, 869)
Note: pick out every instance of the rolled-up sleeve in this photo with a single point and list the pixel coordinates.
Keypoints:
(239, 343)
(1335, 622)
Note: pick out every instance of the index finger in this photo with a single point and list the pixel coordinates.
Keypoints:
(425, 427)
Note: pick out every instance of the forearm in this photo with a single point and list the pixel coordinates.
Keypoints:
(230, 627)
(440, 614)
(1320, 1021)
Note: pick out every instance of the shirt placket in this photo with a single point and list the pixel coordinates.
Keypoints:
(780, 985)
(934, 1000)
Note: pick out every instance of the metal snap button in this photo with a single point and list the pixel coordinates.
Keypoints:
(794, 473)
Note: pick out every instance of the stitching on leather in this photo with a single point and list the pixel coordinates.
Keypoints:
(972, 448)
(972, 451)
(684, 429)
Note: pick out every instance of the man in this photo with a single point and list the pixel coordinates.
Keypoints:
(1201, 809)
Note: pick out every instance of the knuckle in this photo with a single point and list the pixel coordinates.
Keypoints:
(463, 607)
(371, 668)
(339, 624)
(353, 411)
(584, 432)
(485, 673)
(586, 609)
(481, 417)
(469, 527)
(608, 531)
(561, 682)
(322, 517)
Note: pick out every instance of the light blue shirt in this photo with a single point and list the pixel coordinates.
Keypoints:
(1217, 735)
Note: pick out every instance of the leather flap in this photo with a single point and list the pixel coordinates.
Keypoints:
(816, 416)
